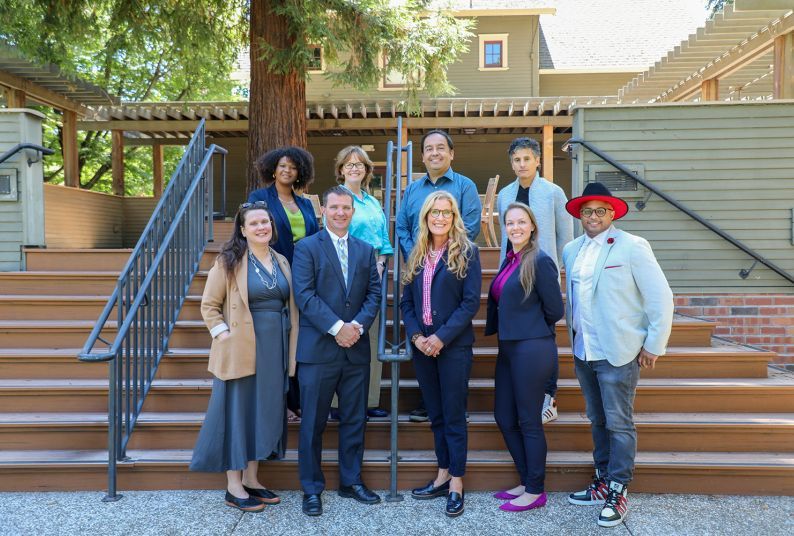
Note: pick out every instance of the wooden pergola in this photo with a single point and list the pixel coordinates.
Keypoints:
(23, 81)
(164, 123)
(746, 52)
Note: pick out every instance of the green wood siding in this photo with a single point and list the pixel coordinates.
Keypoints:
(731, 163)
(10, 211)
(464, 74)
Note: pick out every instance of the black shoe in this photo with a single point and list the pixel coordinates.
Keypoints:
(249, 504)
(312, 505)
(418, 415)
(454, 504)
(333, 415)
(263, 495)
(359, 492)
(430, 491)
(377, 413)
(468, 418)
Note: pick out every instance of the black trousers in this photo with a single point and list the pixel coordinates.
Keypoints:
(444, 382)
(523, 369)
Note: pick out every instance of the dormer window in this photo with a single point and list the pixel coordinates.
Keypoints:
(493, 52)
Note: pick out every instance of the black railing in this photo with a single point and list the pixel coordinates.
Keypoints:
(744, 272)
(150, 292)
(22, 146)
(394, 350)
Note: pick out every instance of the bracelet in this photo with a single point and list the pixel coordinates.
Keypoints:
(415, 336)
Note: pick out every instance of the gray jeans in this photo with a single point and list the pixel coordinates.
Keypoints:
(609, 396)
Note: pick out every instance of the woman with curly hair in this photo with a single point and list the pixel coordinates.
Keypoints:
(442, 294)
(283, 171)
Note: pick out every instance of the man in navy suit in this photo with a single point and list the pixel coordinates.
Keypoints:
(337, 290)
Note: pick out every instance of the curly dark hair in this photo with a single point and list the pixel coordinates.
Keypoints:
(233, 250)
(303, 160)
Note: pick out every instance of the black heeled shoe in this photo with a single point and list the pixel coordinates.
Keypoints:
(454, 504)
(430, 491)
(263, 495)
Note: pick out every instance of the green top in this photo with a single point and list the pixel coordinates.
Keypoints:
(297, 224)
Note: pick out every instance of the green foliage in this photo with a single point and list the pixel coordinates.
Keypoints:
(153, 50)
(419, 42)
(716, 5)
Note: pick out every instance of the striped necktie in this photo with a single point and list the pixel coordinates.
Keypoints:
(341, 246)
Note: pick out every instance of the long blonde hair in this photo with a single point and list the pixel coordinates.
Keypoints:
(528, 252)
(459, 246)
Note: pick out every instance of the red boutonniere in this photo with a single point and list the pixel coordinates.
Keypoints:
(610, 240)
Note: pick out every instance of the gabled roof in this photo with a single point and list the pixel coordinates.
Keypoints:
(736, 47)
(615, 34)
(50, 77)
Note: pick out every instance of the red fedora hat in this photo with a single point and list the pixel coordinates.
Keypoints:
(595, 191)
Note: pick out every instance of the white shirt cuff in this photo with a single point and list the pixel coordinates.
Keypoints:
(217, 330)
(360, 327)
(335, 328)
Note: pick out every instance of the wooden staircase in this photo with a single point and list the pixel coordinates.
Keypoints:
(712, 417)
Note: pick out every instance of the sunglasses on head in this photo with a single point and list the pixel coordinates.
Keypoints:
(255, 204)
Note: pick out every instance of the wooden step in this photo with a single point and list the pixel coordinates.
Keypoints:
(70, 307)
(680, 362)
(93, 259)
(774, 395)
(673, 432)
(70, 283)
(686, 332)
(656, 472)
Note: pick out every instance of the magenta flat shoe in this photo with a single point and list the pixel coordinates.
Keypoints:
(537, 503)
(504, 496)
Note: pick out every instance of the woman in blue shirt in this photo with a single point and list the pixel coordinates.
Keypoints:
(354, 172)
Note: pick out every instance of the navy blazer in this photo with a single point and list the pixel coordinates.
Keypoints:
(284, 244)
(323, 299)
(516, 318)
(454, 303)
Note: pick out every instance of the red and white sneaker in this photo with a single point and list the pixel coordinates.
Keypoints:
(616, 507)
(595, 493)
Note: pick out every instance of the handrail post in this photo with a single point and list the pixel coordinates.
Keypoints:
(111, 495)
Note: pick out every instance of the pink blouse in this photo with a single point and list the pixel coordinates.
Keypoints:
(427, 281)
(513, 262)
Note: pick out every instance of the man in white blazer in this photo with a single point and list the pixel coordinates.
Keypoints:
(619, 316)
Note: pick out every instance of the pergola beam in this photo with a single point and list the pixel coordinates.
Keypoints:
(40, 94)
(783, 74)
(71, 167)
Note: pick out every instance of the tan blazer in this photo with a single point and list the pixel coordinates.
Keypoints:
(226, 302)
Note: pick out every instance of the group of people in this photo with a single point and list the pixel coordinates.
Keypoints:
(291, 310)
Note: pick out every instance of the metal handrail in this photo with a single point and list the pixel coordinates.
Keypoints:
(743, 273)
(21, 146)
(398, 350)
(150, 291)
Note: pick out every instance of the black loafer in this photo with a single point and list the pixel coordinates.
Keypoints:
(312, 505)
(249, 504)
(377, 413)
(454, 504)
(263, 495)
(359, 492)
(430, 491)
(418, 415)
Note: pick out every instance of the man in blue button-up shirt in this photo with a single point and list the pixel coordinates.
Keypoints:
(437, 155)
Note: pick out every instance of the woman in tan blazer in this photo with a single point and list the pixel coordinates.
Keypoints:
(249, 310)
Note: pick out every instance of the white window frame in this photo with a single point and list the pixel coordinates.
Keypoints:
(382, 79)
(488, 38)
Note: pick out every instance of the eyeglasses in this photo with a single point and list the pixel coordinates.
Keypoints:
(354, 165)
(600, 211)
(255, 204)
(445, 213)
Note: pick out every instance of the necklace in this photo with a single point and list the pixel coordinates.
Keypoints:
(274, 276)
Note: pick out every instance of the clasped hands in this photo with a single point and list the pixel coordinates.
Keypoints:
(430, 346)
(348, 334)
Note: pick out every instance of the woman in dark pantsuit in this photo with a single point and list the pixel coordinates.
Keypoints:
(442, 294)
(251, 315)
(524, 304)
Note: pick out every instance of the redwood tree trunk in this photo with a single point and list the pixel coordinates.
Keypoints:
(277, 103)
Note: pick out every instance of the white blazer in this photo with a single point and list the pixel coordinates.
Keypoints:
(632, 301)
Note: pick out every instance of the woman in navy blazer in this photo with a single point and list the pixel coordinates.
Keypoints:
(524, 304)
(283, 171)
(441, 296)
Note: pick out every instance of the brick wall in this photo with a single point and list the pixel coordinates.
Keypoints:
(763, 320)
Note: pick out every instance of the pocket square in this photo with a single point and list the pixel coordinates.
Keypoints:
(613, 266)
